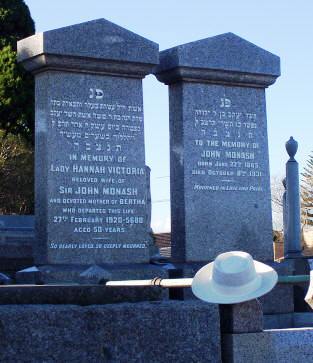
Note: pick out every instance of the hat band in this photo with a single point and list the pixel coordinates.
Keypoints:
(237, 290)
(238, 278)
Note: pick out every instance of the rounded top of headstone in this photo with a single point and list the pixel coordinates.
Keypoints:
(97, 40)
(227, 53)
(291, 147)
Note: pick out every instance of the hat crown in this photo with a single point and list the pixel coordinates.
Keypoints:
(233, 269)
(232, 278)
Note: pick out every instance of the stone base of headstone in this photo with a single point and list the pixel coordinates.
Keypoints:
(171, 331)
(280, 300)
(289, 320)
(301, 320)
(244, 340)
(297, 265)
(5, 279)
(287, 298)
(279, 345)
(237, 319)
(278, 321)
(30, 275)
(95, 275)
(84, 274)
(79, 294)
(246, 317)
(300, 266)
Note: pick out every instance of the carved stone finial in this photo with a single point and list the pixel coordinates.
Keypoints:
(291, 147)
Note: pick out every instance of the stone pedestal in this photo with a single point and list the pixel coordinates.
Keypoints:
(92, 274)
(220, 186)
(246, 317)
(127, 333)
(91, 190)
(279, 345)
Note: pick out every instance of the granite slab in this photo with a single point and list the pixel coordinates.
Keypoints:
(246, 317)
(92, 195)
(220, 183)
(164, 332)
(78, 294)
(277, 345)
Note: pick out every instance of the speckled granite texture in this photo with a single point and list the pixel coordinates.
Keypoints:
(98, 39)
(220, 184)
(91, 183)
(245, 317)
(226, 52)
(271, 346)
(120, 333)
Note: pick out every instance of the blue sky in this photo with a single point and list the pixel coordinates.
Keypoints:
(284, 28)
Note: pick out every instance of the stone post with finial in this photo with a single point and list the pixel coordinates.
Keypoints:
(293, 242)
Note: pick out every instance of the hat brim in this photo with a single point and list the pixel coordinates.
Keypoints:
(202, 286)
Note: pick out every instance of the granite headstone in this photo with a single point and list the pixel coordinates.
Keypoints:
(90, 156)
(220, 187)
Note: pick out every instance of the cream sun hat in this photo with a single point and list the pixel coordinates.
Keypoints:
(232, 278)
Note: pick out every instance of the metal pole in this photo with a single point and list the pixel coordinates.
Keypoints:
(157, 281)
(186, 282)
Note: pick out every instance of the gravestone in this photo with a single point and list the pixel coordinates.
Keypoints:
(16, 240)
(91, 194)
(220, 186)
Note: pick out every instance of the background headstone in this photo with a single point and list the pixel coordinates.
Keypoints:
(220, 187)
(90, 157)
(16, 241)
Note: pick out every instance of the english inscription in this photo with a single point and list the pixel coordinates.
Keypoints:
(227, 148)
(96, 197)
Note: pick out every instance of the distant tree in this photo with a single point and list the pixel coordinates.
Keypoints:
(277, 191)
(307, 193)
(16, 85)
(16, 175)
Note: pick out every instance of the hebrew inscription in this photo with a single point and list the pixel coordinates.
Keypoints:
(96, 195)
(227, 148)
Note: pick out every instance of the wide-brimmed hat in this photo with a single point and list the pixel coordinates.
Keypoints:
(232, 278)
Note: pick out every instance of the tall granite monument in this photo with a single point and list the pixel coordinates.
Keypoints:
(220, 186)
(90, 157)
